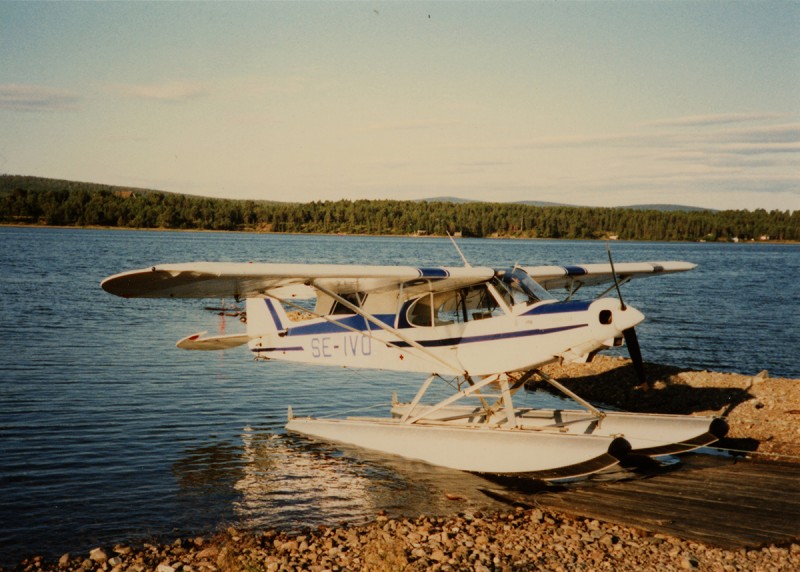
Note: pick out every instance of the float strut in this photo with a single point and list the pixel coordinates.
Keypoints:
(571, 394)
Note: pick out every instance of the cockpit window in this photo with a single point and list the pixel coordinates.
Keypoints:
(420, 313)
(521, 288)
(454, 307)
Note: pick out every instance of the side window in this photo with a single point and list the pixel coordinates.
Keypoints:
(355, 298)
(420, 312)
(449, 308)
(454, 307)
(480, 303)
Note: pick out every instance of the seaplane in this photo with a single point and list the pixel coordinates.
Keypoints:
(480, 333)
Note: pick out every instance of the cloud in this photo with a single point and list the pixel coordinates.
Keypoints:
(412, 125)
(657, 139)
(781, 133)
(167, 92)
(712, 119)
(25, 97)
(484, 163)
(760, 148)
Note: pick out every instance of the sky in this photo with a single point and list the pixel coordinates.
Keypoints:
(585, 103)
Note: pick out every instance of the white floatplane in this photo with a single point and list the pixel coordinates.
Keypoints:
(483, 331)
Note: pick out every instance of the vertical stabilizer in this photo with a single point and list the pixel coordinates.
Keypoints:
(265, 316)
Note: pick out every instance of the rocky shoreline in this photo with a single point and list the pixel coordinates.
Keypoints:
(763, 415)
(515, 540)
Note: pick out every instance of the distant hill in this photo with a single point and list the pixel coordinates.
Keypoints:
(39, 184)
(646, 207)
(667, 208)
(456, 200)
(541, 204)
(43, 184)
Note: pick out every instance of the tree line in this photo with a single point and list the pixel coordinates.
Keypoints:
(33, 200)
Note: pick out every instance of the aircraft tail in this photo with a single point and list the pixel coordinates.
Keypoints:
(265, 316)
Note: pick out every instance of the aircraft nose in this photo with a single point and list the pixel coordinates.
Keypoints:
(610, 313)
(628, 318)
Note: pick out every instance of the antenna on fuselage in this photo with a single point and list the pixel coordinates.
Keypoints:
(461, 254)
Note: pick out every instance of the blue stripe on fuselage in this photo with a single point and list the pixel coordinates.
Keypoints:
(286, 349)
(488, 337)
(559, 308)
(332, 327)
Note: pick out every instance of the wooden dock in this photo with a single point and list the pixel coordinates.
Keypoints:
(717, 501)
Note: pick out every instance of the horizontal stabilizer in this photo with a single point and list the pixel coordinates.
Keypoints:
(198, 342)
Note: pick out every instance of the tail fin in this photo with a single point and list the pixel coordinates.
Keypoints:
(265, 316)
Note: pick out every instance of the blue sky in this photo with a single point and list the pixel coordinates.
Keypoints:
(591, 103)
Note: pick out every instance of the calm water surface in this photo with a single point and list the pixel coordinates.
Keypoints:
(109, 433)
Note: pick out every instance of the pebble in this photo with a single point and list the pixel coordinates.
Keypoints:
(98, 555)
(533, 539)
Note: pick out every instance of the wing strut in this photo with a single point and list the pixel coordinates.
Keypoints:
(451, 368)
(615, 285)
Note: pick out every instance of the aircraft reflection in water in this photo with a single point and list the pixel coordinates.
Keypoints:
(285, 480)
(281, 483)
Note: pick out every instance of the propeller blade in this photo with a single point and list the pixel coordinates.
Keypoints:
(616, 282)
(632, 341)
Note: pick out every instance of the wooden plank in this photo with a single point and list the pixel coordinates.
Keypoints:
(766, 500)
(704, 535)
(730, 504)
(744, 477)
(666, 509)
(693, 511)
(687, 524)
(774, 510)
(744, 480)
(762, 471)
(691, 461)
(747, 495)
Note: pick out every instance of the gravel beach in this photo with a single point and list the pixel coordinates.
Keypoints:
(764, 418)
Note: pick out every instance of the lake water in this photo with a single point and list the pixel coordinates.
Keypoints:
(109, 433)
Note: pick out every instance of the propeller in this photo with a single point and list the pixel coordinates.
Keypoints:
(631, 339)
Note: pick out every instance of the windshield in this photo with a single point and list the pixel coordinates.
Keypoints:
(522, 288)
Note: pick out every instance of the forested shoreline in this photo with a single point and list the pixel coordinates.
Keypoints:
(51, 202)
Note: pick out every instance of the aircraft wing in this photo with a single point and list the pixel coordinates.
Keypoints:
(570, 277)
(247, 279)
